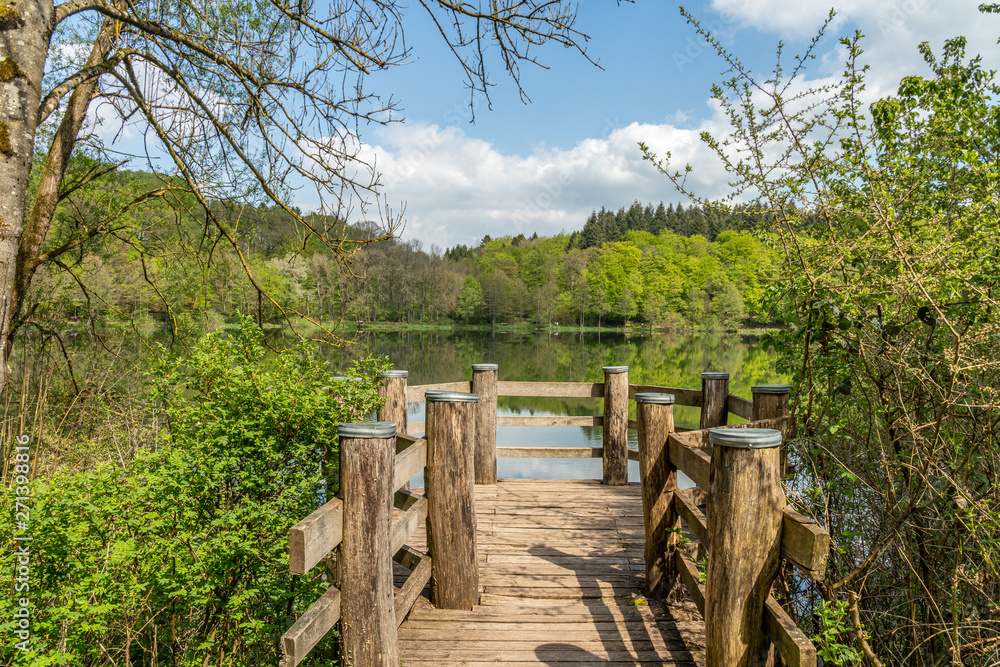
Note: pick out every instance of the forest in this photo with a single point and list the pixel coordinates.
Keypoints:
(663, 267)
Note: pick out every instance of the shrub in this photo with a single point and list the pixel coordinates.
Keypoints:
(181, 558)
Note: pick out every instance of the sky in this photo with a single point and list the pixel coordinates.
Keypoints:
(543, 167)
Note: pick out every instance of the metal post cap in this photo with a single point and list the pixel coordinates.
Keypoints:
(745, 438)
(395, 374)
(653, 397)
(438, 396)
(484, 367)
(771, 389)
(367, 430)
(615, 369)
(715, 376)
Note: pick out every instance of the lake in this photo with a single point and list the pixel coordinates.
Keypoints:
(672, 360)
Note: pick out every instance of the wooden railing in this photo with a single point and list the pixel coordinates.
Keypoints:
(738, 514)
(459, 449)
(375, 464)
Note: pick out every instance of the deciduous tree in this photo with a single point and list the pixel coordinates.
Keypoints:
(243, 101)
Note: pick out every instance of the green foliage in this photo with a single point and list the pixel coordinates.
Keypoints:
(833, 624)
(181, 556)
(885, 217)
(728, 306)
(470, 301)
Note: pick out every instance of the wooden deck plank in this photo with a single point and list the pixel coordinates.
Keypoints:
(561, 582)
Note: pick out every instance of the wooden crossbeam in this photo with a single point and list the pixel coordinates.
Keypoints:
(689, 459)
(740, 407)
(409, 462)
(420, 573)
(689, 576)
(692, 515)
(555, 389)
(790, 642)
(303, 636)
(584, 420)
(418, 393)
(406, 525)
(805, 543)
(551, 452)
(311, 539)
(686, 397)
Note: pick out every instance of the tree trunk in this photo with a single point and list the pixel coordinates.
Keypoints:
(25, 29)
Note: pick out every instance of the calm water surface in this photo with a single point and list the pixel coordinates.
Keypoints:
(668, 360)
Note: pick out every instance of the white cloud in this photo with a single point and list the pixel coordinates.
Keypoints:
(892, 29)
(458, 189)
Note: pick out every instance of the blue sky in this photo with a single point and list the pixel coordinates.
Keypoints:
(544, 166)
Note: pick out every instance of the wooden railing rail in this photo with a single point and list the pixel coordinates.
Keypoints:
(738, 485)
(614, 452)
(364, 561)
(417, 393)
(376, 465)
(742, 617)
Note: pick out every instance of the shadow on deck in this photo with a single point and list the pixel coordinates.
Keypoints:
(561, 582)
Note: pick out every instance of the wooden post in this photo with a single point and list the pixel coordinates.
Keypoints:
(714, 400)
(368, 613)
(770, 401)
(615, 435)
(393, 390)
(451, 512)
(484, 385)
(655, 416)
(745, 504)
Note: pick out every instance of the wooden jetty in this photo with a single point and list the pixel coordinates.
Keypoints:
(472, 570)
(562, 582)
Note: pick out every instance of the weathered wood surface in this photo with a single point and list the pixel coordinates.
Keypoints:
(409, 462)
(791, 642)
(686, 397)
(420, 573)
(745, 503)
(553, 389)
(689, 459)
(368, 623)
(394, 410)
(315, 536)
(803, 541)
(692, 515)
(659, 482)
(714, 400)
(769, 406)
(311, 627)
(418, 393)
(408, 523)
(484, 385)
(615, 433)
(740, 407)
(451, 512)
(550, 420)
(551, 452)
(689, 575)
(562, 582)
